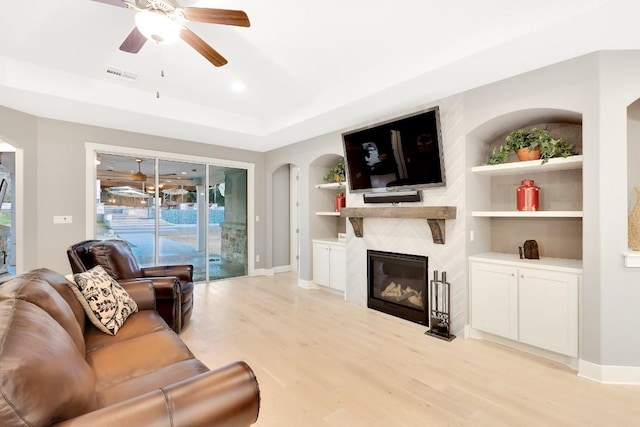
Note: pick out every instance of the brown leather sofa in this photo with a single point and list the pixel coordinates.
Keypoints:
(56, 368)
(173, 283)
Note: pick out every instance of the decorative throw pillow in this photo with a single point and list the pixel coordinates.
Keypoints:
(106, 303)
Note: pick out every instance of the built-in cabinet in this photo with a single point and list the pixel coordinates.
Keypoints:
(329, 264)
(534, 302)
(529, 303)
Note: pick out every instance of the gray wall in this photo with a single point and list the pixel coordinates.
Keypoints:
(54, 184)
(619, 286)
(303, 154)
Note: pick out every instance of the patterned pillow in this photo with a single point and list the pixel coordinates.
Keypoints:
(106, 303)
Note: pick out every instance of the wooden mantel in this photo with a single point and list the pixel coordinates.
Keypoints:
(435, 215)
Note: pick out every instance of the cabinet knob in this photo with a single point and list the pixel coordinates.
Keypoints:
(522, 276)
(512, 274)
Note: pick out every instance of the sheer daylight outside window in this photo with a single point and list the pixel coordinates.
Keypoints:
(175, 212)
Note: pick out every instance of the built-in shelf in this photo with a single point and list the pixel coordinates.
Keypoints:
(331, 185)
(530, 166)
(631, 259)
(527, 214)
(435, 215)
(331, 213)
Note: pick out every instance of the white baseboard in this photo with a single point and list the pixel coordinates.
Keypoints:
(609, 374)
(281, 269)
(307, 284)
(569, 361)
(259, 272)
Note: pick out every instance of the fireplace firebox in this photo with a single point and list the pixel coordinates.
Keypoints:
(398, 285)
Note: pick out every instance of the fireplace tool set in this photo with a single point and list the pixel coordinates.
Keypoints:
(439, 308)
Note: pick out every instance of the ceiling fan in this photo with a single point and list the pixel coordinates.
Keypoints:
(110, 174)
(163, 21)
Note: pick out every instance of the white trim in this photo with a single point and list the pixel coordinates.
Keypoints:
(260, 272)
(282, 269)
(294, 217)
(569, 361)
(90, 178)
(609, 374)
(307, 284)
(18, 199)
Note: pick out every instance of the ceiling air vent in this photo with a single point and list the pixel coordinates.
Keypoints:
(121, 73)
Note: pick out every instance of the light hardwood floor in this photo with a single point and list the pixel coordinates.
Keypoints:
(321, 361)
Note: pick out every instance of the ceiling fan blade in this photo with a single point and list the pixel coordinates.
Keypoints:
(202, 47)
(134, 41)
(118, 3)
(216, 16)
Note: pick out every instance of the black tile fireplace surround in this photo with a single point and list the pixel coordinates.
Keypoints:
(397, 285)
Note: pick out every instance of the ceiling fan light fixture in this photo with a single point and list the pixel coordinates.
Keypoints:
(157, 27)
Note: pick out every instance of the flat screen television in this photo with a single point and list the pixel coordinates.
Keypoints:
(398, 155)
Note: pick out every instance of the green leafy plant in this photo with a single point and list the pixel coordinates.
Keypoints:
(336, 173)
(499, 155)
(534, 138)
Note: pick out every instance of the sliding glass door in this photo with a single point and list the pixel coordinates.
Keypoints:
(175, 212)
(227, 222)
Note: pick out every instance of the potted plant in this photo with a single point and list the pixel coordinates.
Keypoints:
(531, 144)
(336, 173)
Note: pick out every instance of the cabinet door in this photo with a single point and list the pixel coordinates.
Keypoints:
(338, 268)
(321, 264)
(548, 302)
(494, 299)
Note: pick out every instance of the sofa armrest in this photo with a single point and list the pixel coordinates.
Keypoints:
(228, 396)
(183, 272)
(166, 287)
(142, 292)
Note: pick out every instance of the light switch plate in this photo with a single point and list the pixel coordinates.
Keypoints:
(62, 219)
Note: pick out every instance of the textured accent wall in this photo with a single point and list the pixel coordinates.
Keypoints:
(413, 236)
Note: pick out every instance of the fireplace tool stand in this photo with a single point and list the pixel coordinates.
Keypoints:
(439, 308)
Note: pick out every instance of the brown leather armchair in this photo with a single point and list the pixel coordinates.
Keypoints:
(173, 283)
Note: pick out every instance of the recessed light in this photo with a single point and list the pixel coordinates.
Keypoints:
(238, 87)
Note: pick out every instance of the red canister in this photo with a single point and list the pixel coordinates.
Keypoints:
(527, 195)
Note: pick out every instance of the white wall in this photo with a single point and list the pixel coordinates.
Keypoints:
(413, 236)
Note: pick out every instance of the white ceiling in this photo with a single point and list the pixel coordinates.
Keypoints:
(309, 67)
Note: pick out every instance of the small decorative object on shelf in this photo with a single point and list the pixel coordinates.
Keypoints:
(527, 196)
(531, 250)
(531, 144)
(339, 201)
(440, 308)
(634, 224)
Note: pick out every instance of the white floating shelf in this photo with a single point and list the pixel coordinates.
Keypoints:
(332, 185)
(529, 166)
(332, 213)
(631, 259)
(527, 214)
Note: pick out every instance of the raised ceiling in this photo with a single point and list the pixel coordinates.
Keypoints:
(309, 67)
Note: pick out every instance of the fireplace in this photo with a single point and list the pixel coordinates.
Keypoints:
(398, 285)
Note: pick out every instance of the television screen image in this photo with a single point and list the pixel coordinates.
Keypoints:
(401, 154)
